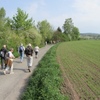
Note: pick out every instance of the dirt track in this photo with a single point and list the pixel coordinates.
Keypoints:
(11, 85)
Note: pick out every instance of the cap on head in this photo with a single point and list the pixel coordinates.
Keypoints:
(29, 44)
(4, 46)
(21, 44)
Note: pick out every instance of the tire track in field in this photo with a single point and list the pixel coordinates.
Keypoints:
(67, 86)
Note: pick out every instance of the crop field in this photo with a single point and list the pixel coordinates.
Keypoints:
(80, 65)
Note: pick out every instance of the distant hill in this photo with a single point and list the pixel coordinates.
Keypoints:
(90, 35)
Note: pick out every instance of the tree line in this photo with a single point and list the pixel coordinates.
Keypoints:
(22, 29)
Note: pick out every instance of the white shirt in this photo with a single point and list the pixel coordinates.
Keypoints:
(37, 48)
(10, 54)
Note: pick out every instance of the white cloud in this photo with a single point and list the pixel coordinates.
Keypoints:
(42, 2)
(86, 5)
(34, 7)
(87, 9)
(58, 21)
(86, 15)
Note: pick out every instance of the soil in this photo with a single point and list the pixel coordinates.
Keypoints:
(67, 88)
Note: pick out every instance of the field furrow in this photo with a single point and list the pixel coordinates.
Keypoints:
(81, 62)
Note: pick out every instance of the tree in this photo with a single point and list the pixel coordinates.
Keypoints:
(2, 19)
(45, 30)
(59, 30)
(70, 30)
(32, 36)
(75, 33)
(21, 21)
(68, 26)
(57, 35)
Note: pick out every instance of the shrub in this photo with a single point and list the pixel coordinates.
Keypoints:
(45, 82)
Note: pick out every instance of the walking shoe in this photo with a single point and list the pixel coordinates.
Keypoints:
(1, 68)
(29, 70)
(5, 72)
(11, 72)
(36, 57)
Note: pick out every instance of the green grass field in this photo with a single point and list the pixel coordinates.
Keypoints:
(81, 63)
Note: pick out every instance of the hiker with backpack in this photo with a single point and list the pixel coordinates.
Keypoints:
(3, 52)
(29, 56)
(21, 50)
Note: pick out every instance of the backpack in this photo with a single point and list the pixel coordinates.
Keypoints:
(21, 49)
(7, 55)
(1, 54)
(28, 51)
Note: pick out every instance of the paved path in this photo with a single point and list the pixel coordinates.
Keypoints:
(11, 85)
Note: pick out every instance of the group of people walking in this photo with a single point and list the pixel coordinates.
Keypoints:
(7, 57)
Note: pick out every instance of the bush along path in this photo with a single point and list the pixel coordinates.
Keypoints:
(45, 82)
(12, 85)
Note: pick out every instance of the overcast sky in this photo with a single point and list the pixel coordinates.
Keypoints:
(84, 13)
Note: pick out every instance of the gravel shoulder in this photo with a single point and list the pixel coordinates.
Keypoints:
(12, 85)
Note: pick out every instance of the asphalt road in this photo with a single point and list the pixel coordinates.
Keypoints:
(12, 85)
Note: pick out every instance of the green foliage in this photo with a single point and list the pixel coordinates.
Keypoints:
(45, 82)
(59, 30)
(58, 36)
(10, 39)
(68, 26)
(31, 36)
(8, 29)
(28, 32)
(20, 21)
(2, 18)
(2, 13)
(75, 33)
(45, 30)
(70, 30)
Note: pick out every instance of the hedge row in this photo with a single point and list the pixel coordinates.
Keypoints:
(45, 82)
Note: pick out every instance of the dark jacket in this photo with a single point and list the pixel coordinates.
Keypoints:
(29, 51)
(4, 50)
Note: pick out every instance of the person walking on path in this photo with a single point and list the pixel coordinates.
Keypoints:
(12, 86)
(29, 56)
(9, 61)
(21, 50)
(36, 49)
(3, 52)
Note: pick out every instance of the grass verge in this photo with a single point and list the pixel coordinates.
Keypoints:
(45, 82)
